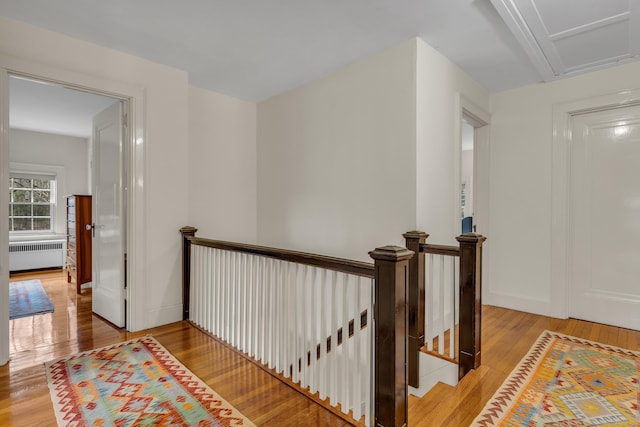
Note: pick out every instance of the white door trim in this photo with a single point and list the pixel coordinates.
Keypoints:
(464, 107)
(562, 116)
(4, 230)
(136, 231)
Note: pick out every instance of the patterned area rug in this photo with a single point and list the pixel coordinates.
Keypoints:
(134, 383)
(28, 298)
(567, 381)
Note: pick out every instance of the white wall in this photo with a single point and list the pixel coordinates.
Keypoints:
(163, 192)
(222, 166)
(441, 87)
(46, 149)
(336, 159)
(521, 185)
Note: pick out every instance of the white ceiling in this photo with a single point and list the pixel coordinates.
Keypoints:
(53, 109)
(253, 50)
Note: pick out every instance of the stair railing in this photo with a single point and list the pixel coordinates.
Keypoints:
(336, 329)
(444, 301)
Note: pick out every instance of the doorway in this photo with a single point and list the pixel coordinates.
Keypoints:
(136, 189)
(57, 125)
(472, 169)
(466, 177)
(595, 210)
(604, 216)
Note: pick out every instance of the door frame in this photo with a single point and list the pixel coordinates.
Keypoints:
(560, 169)
(136, 232)
(479, 119)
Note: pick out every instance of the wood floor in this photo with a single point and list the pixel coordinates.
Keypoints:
(24, 396)
(507, 336)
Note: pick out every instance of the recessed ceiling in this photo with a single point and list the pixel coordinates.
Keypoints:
(568, 37)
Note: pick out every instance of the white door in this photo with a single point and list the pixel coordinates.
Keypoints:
(108, 215)
(604, 217)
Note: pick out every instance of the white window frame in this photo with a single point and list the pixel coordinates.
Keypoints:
(32, 217)
(57, 218)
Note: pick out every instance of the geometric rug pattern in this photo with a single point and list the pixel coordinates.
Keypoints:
(134, 383)
(566, 381)
(27, 298)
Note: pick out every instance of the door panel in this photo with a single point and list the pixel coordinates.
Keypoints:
(604, 217)
(108, 243)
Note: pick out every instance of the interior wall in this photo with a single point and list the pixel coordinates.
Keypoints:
(164, 125)
(222, 166)
(46, 149)
(441, 85)
(521, 185)
(336, 168)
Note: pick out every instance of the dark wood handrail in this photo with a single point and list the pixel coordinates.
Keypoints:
(428, 248)
(358, 268)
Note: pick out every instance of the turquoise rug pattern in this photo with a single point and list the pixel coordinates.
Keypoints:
(28, 298)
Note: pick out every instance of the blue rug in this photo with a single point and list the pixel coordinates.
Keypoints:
(28, 298)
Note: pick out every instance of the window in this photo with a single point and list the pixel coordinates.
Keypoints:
(31, 202)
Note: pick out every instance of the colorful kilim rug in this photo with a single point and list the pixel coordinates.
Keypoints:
(134, 383)
(28, 298)
(567, 381)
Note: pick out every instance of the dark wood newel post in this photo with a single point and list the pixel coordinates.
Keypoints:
(415, 304)
(390, 318)
(470, 301)
(186, 231)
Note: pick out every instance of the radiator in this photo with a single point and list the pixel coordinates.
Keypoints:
(36, 254)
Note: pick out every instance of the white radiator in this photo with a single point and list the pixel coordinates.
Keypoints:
(36, 254)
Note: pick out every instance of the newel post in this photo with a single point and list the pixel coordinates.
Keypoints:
(415, 304)
(470, 301)
(186, 231)
(390, 315)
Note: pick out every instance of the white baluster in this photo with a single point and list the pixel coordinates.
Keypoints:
(314, 336)
(194, 283)
(452, 308)
(249, 316)
(429, 303)
(355, 372)
(333, 322)
(306, 324)
(346, 363)
(260, 326)
(368, 353)
(441, 307)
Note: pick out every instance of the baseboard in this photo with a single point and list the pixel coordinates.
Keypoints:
(519, 303)
(163, 316)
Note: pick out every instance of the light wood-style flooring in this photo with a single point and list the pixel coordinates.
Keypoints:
(24, 397)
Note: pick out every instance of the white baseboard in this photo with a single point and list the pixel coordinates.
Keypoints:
(515, 302)
(163, 316)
